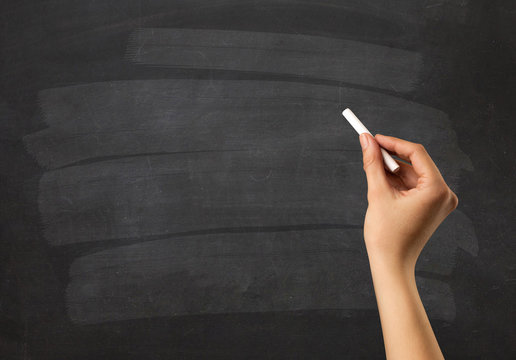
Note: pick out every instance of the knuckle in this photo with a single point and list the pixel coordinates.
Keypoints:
(438, 195)
(453, 201)
(444, 197)
(419, 148)
(442, 194)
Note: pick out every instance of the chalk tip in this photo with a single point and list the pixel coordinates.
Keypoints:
(346, 111)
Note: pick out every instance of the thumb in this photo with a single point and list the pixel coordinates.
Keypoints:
(373, 164)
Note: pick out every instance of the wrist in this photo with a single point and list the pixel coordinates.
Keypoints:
(391, 264)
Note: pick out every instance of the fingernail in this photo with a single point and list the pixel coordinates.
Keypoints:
(364, 141)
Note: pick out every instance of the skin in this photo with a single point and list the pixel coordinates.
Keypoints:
(404, 211)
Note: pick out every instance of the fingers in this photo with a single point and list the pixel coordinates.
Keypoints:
(422, 163)
(373, 165)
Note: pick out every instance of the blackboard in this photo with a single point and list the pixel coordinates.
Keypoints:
(177, 180)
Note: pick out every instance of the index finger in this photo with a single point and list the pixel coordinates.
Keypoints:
(415, 153)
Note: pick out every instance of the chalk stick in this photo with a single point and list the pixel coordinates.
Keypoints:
(389, 162)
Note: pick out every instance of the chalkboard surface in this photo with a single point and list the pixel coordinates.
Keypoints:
(177, 180)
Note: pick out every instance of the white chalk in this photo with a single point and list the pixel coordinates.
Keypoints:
(389, 162)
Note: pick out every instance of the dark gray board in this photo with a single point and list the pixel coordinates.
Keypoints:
(178, 182)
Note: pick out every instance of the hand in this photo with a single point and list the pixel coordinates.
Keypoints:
(404, 208)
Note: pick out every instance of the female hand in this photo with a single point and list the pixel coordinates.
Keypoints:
(404, 208)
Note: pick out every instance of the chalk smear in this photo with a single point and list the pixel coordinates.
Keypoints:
(224, 273)
(142, 196)
(95, 121)
(301, 55)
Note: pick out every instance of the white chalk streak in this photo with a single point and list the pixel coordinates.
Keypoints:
(152, 116)
(232, 273)
(302, 55)
(155, 195)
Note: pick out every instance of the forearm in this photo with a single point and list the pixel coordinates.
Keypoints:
(406, 329)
